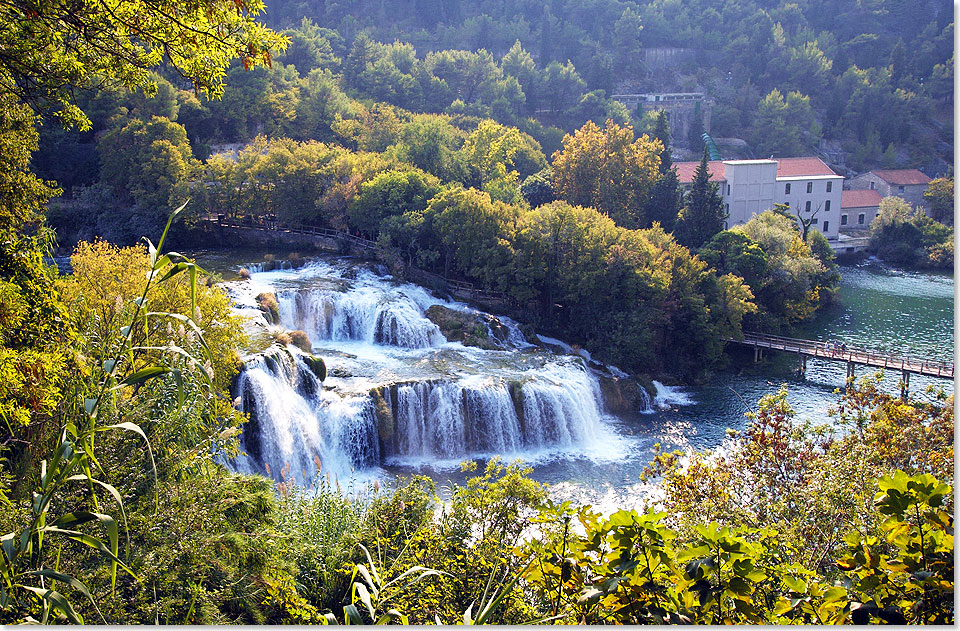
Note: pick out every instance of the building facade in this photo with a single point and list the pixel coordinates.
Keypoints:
(909, 184)
(858, 209)
(807, 185)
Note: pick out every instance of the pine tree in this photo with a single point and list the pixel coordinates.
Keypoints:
(661, 131)
(703, 214)
(665, 200)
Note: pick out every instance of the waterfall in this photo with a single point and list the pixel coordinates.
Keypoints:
(403, 395)
(295, 426)
(295, 422)
(557, 407)
(364, 314)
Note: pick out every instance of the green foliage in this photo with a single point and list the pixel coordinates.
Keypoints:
(785, 127)
(789, 278)
(55, 49)
(702, 215)
(147, 162)
(608, 170)
(903, 236)
(388, 194)
(939, 196)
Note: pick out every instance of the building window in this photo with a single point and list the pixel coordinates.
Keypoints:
(843, 220)
(786, 189)
(814, 221)
(826, 226)
(829, 186)
(728, 189)
(807, 206)
(871, 185)
(826, 206)
(900, 190)
(861, 218)
(809, 187)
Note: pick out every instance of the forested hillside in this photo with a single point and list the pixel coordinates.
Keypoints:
(879, 75)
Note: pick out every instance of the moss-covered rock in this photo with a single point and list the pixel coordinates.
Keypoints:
(301, 340)
(317, 366)
(470, 329)
(269, 305)
(622, 394)
(385, 427)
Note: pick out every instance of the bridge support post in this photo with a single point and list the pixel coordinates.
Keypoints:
(905, 385)
(802, 368)
(851, 370)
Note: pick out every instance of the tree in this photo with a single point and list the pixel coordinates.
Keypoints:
(939, 196)
(51, 48)
(391, 193)
(537, 189)
(702, 215)
(608, 170)
(665, 200)
(490, 150)
(310, 48)
(661, 131)
(519, 63)
(785, 127)
(626, 38)
(562, 84)
(146, 161)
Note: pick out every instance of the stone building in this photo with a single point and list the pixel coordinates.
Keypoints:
(906, 183)
(684, 108)
(858, 208)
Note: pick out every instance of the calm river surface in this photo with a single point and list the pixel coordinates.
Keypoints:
(879, 308)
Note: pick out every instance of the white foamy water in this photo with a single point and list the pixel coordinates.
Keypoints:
(669, 396)
(398, 393)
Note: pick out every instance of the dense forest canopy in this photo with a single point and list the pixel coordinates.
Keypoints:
(879, 73)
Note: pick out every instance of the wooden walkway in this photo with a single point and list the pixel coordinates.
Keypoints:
(459, 288)
(852, 356)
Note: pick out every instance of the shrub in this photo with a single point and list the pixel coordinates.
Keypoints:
(269, 305)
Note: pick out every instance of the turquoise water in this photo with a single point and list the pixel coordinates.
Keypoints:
(879, 308)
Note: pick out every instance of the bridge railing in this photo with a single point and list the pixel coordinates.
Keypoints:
(853, 354)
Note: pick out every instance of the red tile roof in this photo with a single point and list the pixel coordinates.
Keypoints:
(786, 167)
(686, 171)
(859, 199)
(800, 167)
(902, 177)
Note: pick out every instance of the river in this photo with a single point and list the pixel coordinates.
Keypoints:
(584, 455)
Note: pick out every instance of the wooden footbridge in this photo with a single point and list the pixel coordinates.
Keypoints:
(851, 355)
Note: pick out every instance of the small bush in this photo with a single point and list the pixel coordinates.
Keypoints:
(269, 305)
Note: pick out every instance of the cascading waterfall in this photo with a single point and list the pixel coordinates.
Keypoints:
(520, 401)
(295, 426)
(365, 314)
(555, 408)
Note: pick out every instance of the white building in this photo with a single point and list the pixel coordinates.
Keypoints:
(749, 187)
